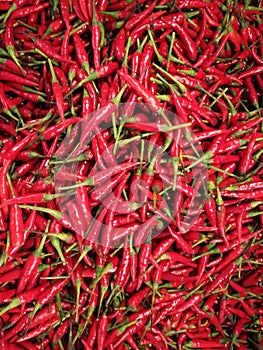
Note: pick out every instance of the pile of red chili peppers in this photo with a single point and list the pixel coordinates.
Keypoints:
(201, 288)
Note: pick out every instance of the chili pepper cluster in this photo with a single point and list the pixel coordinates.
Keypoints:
(197, 288)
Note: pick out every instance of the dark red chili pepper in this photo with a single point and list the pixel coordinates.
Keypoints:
(16, 228)
(111, 338)
(210, 209)
(163, 247)
(8, 128)
(100, 72)
(133, 263)
(147, 178)
(57, 24)
(252, 93)
(4, 6)
(84, 7)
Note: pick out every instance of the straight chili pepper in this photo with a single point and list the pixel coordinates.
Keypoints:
(22, 298)
(9, 42)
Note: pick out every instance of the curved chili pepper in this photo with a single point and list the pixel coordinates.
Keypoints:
(152, 100)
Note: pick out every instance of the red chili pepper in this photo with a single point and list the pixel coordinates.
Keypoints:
(30, 266)
(30, 199)
(46, 48)
(26, 11)
(187, 41)
(41, 329)
(22, 298)
(95, 36)
(144, 255)
(136, 19)
(9, 129)
(20, 326)
(57, 92)
(147, 178)
(92, 335)
(251, 71)
(81, 54)
(245, 161)
(57, 129)
(130, 331)
(221, 217)
(222, 276)
(210, 209)
(102, 331)
(84, 7)
(118, 46)
(16, 5)
(252, 93)
(4, 6)
(196, 343)
(64, 8)
(77, 10)
(10, 276)
(111, 338)
(58, 24)
(61, 331)
(26, 95)
(180, 241)
(146, 95)
(158, 24)
(9, 42)
(8, 76)
(47, 295)
(178, 305)
(100, 72)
